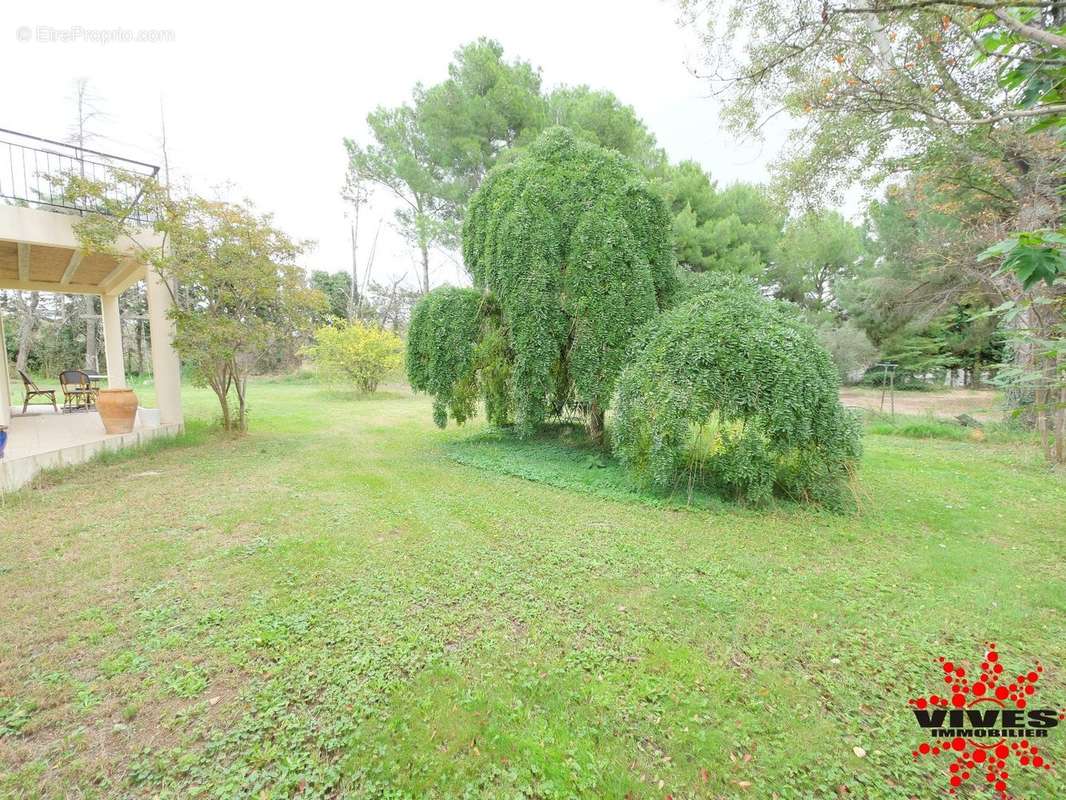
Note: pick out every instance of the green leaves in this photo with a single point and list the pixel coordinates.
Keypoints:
(441, 345)
(358, 354)
(576, 250)
(1032, 256)
(735, 229)
(731, 391)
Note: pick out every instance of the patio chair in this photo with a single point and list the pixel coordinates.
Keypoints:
(33, 390)
(78, 391)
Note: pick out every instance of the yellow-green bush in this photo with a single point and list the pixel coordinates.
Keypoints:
(356, 353)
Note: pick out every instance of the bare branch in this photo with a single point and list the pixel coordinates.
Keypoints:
(1029, 31)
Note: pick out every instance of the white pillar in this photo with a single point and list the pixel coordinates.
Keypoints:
(5, 382)
(166, 366)
(116, 369)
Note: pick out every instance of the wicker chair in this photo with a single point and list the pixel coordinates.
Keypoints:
(78, 392)
(33, 390)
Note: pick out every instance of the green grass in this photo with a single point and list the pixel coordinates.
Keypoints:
(563, 457)
(334, 606)
(928, 427)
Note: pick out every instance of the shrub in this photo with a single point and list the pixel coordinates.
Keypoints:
(442, 342)
(689, 285)
(732, 390)
(356, 353)
(849, 347)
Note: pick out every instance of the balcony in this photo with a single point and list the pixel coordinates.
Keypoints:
(29, 163)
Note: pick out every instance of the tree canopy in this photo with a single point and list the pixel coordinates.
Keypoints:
(601, 118)
(571, 246)
(432, 153)
(816, 251)
(575, 247)
(736, 229)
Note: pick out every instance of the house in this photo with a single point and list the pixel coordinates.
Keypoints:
(40, 252)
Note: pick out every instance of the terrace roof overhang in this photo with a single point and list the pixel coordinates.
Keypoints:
(40, 252)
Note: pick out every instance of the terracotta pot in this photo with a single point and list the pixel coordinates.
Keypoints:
(118, 409)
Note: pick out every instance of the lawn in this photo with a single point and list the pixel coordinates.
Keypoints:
(350, 602)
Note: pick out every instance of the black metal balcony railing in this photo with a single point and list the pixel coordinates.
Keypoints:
(29, 166)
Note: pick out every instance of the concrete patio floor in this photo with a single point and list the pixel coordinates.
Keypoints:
(42, 439)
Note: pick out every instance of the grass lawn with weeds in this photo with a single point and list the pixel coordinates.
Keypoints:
(350, 602)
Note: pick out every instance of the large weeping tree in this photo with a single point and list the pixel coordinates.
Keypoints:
(571, 252)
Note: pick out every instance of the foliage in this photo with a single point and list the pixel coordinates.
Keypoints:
(735, 229)
(485, 106)
(756, 387)
(574, 247)
(879, 85)
(356, 353)
(817, 251)
(337, 288)
(602, 119)
(242, 297)
(917, 427)
(689, 285)
(441, 346)
(242, 294)
(431, 153)
(922, 281)
(917, 355)
(401, 160)
(1033, 256)
(1036, 325)
(1028, 47)
(848, 346)
(944, 95)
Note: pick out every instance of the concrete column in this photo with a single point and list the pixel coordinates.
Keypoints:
(5, 381)
(116, 368)
(166, 366)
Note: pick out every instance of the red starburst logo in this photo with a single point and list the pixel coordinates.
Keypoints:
(985, 726)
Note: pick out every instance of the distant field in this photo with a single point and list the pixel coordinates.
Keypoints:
(981, 404)
(351, 603)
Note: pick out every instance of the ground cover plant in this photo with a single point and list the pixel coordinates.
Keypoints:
(333, 606)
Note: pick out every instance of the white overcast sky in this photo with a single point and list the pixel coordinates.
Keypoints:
(259, 96)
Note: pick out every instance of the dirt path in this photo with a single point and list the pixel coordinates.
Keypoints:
(982, 404)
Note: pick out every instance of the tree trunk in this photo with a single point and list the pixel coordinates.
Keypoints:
(223, 401)
(425, 268)
(92, 350)
(353, 295)
(595, 423)
(220, 382)
(242, 422)
(140, 347)
(1060, 429)
(27, 322)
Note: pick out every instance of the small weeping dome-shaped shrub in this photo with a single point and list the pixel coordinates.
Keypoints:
(441, 346)
(457, 353)
(731, 391)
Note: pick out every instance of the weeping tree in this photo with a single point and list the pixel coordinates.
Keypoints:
(570, 252)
